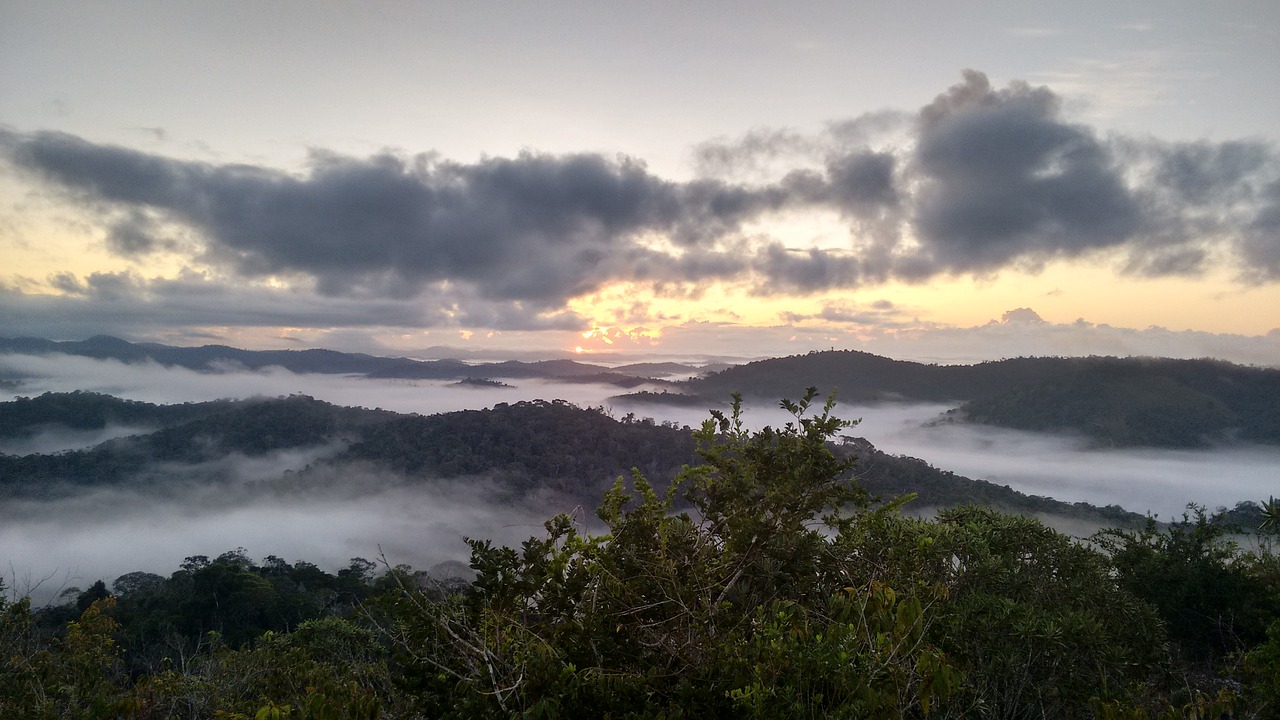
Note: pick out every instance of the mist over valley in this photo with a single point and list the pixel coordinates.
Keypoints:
(182, 461)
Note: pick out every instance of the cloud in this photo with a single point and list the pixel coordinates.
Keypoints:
(751, 155)
(127, 304)
(863, 183)
(134, 234)
(989, 178)
(534, 228)
(1004, 179)
(980, 179)
(1021, 332)
(1022, 316)
(801, 271)
(1261, 242)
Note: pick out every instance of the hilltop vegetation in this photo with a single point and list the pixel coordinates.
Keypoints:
(1114, 402)
(1154, 403)
(189, 435)
(781, 591)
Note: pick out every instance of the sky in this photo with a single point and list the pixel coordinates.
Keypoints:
(939, 181)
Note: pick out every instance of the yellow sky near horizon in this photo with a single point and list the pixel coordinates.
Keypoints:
(39, 248)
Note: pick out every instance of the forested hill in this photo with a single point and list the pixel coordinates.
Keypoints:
(184, 439)
(1113, 401)
(94, 411)
(521, 448)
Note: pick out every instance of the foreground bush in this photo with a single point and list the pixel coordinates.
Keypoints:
(783, 593)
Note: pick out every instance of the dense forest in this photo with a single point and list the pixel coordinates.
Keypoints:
(764, 581)
(1114, 402)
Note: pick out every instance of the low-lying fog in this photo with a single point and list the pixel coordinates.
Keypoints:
(46, 547)
(75, 542)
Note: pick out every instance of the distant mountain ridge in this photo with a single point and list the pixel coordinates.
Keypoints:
(212, 358)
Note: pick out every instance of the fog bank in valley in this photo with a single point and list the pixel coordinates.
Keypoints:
(48, 546)
(58, 438)
(356, 512)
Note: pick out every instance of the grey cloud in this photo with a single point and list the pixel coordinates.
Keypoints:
(1189, 261)
(535, 228)
(979, 180)
(863, 182)
(111, 286)
(996, 177)
(866, 129)
(705, 210)
(975, 92)
(125, 304)
(67, 283)
(1261, 243)
(1004, 179)
(762, 149)
(1204, 173)
(789, 271)
(697, 267)
(1195, 196)
(1021, 316)
(872, 317)
(751, 154)
(133, 235)
(877, 316)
